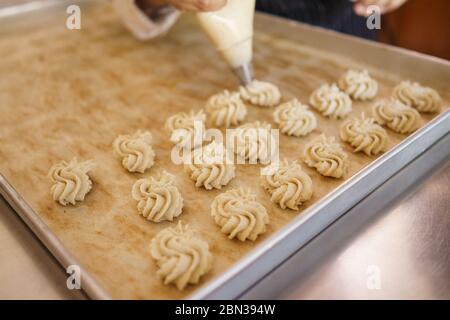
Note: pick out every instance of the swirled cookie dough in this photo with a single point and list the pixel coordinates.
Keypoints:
(71, 182)
(424, 99)
(186, 129)
(226, 109)
(327, 157)
(254, 142)
(359, 85)
(158, 198)
(135, 150)
(364, 135)
(288, 185)
(331, 101)
(295, 119)
(259, 93)
(396, 116)
(210, 167)
(182, 257)
(239, 214)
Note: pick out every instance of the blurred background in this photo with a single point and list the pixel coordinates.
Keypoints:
(420, 25)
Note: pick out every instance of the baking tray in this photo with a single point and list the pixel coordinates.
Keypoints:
(282, 243)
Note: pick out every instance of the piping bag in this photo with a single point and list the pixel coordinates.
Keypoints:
(231, 32)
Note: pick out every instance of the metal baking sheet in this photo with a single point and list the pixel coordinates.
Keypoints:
(275, 249)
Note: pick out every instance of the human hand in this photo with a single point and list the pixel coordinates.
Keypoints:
(185, 5)
(386, 6)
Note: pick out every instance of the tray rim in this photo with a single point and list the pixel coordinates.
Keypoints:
(216, 288)
(89, 283)
(212, 290)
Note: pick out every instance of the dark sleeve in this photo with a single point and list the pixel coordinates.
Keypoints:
(332, 14)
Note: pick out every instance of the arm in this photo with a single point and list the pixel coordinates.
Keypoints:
(385, 6)
(147, 19)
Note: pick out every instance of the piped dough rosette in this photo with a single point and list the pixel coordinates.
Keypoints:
(158, 198)
(295, 119)
(364, 135)
(71, 181)
(182, 257)
(135, 150)
(187, 129)
(259, 93)
(396, 116)
(210, 167)
(288, 185)
(327, 157)
(254, 142)
(331, 101)
(239, 214)
(424, 99)
(359, 85)
(226, 109)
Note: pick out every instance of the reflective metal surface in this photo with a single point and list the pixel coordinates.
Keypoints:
(27, 269)
(395, 244)
(244, 74)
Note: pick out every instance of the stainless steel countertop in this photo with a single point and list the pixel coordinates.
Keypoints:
(407, 244)
(27, 269)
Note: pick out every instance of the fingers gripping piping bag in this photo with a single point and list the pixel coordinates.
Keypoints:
(231, 31)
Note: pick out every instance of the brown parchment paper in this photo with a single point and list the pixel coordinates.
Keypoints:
(69, 93)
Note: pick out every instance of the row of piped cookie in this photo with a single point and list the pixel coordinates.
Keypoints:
(228, 220)
(158, 199)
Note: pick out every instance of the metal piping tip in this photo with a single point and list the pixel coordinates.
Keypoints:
(244, 73)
